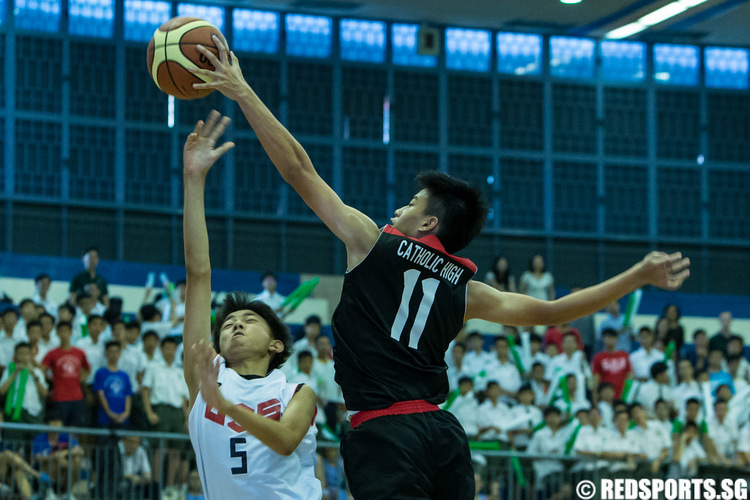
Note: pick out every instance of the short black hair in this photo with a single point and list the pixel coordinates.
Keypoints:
(459, 207)
(535, 337)
(550, 410)
(465, 378)
(267, 274)
(129, 325)
(736, 338)
(461, 345)
(33, 322)
(658, 368)
(699, 331)
(720, 401)
(39, 277)
(65, 324)
(238, 301)
(492, 383)
(604, 385)
(609, 332)
(149, 311)
(525, 388)
(693, 401)
(304, 354)
(92, 248)
(92, 317)
(24, 302)
(21, 345)
(150, 333)
(168, 340)
(68, 307)
(112, 343)
(313, 318)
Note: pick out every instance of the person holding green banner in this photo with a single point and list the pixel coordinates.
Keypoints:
(25, 392)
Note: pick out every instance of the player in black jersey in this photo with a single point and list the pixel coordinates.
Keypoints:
(405, 297)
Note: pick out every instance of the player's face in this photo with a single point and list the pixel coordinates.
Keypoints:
(246, 333)
(412, 218)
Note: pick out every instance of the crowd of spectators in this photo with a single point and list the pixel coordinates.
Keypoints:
(641, 399)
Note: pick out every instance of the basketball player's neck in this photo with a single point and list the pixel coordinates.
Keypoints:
(250, 367)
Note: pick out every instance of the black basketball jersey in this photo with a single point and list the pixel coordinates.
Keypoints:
(400, 308)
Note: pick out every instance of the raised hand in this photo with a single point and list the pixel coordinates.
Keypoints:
(208, 372)
(227, 75)
(199, 152)
(666, 271)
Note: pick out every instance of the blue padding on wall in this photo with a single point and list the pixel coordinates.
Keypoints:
(134, 274)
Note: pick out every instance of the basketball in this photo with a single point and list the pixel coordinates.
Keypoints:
(172, 51)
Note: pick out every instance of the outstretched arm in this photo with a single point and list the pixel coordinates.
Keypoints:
(657, 268)
(199, 154)
(356, 230)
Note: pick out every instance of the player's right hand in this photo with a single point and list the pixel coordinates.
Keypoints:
(227, 75)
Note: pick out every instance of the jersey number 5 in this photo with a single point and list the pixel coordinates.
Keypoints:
(429, 289)
(235, 453)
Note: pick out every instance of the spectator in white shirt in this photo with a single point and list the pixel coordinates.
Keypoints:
(590, 442)
(656, 388)
(151, 349)
(465, 407)
(523, 418)
(48, 340)
(93, 345)
(539, 384)
(304, 374)
(42, 284)
(735, 369)
(493, 414)
(136, 470)
(642, 358)
(655, 440)
(476, 359)
(312, 329)
(722, 433)
(269, 295)
(621, 447)
(456, 367)
(502, 369)
(550, 440)
(331, 392)
(531, 350)
(571, 361)
(688, 386)
(690, 454)
(151, 320)
(605, 406)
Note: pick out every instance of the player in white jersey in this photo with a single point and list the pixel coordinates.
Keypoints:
(251, 430)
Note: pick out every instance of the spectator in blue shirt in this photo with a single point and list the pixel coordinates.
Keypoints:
(113, 390)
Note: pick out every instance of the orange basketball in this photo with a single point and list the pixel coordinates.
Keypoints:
(172, 51)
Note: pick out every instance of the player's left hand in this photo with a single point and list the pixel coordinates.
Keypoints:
(208, 372)
(666, 271)
(200, 151)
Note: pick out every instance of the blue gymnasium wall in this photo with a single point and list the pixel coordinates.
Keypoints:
(133, 274)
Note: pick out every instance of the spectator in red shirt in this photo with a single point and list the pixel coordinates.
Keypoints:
(67, 367)
(555, 334)
(610, 365)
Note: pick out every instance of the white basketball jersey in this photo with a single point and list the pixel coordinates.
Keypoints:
(234, 464)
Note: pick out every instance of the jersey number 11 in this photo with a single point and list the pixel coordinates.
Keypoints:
(429, 289)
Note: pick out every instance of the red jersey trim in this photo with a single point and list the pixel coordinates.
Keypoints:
(433, 242)
(400, 408)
